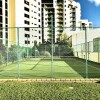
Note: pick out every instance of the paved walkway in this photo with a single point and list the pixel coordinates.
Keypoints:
(53, 80)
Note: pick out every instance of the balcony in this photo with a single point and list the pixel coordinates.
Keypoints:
(60, 12)
(59, 8)
(50, 12)
(60, 31)
(60, 17)
(60, 4)
(49, 30)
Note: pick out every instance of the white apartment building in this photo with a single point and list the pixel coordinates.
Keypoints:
(25, 14)
(37, 14)
(4, 21)
(66, 13)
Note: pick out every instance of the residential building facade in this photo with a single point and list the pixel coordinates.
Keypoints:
(66, 17)
(4, 21)
(27, 15)
(38, 20)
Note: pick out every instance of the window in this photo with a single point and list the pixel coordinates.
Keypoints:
(26, 15)
(1, 35)
(0, 25)
(38, 14)
(6, 20)
(39, 31)
(39, 37)
(0, 3)
(38, 3)
(38, 20)
(27, 35)
(27, 29)
(27, 42)
(6, 35)
(26, 9)
(38, 9)
(6, 29)
(6, 13)
(26, 22)
(26, 2)
(0, 11)
(1, 19)
(35, 18)
(6, 6)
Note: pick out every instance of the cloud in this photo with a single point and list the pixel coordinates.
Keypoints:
(97, 2)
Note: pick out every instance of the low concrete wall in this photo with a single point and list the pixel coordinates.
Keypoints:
(92, 56)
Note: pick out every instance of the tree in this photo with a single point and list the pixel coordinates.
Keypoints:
(12, 55)
(3, 53)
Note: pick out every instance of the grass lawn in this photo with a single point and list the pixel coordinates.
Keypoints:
(41, 68)
(49, 91)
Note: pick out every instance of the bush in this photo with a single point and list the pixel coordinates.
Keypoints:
(45, 53)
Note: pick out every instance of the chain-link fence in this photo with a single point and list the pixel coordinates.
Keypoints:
(50, 52)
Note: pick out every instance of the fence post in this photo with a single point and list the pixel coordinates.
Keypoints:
(59, 51)
(7, 52)
(18, 53)
(27, 46)
(52, 47)
(86, 52)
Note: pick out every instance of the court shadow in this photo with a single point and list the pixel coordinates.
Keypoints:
(79, 66)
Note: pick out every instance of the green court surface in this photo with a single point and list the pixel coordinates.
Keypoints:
(41, 68)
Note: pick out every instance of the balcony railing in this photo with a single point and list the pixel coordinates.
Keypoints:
(60, 12)
(60, 4)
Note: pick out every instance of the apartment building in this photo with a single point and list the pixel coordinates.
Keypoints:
(66, 17)
(48, 20)
(52, 15)
(25, 14)
(65, 13)
(4, 21)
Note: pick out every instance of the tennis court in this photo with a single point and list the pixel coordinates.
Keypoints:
(39, 68)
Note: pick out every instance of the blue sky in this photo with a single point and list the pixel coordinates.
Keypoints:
(90, 9)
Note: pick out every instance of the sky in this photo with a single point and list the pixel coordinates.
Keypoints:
(90, 9)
